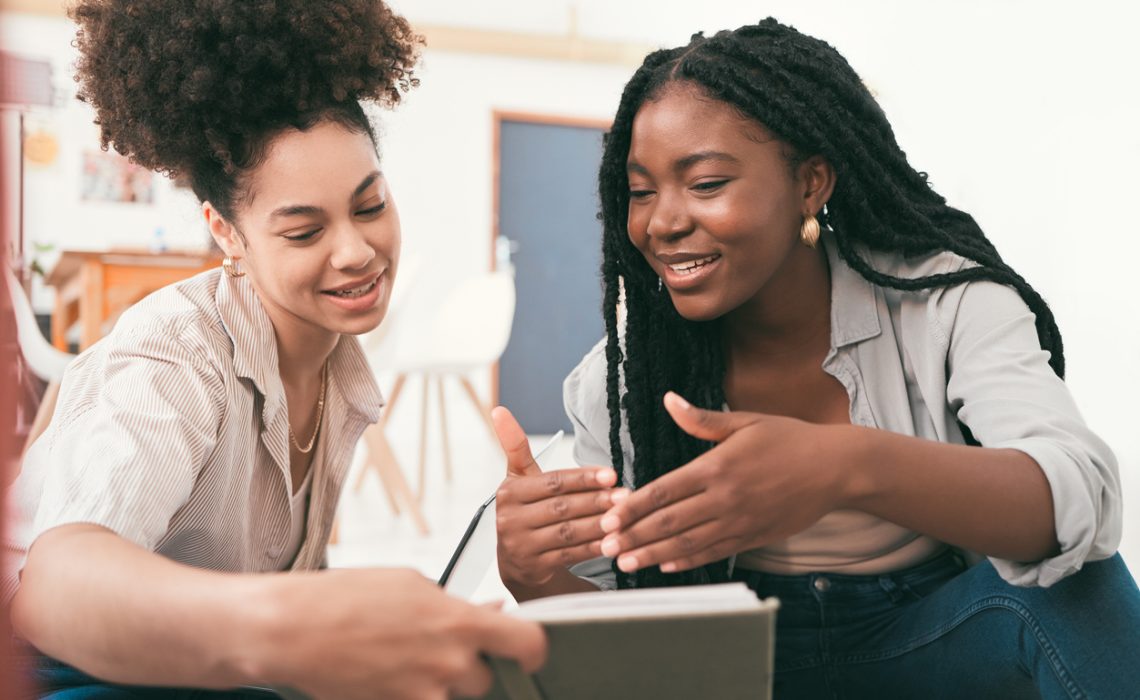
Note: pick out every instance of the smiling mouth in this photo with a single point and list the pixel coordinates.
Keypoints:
(688, 268)
(356, 291)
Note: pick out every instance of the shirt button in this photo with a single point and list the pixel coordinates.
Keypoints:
(822, 584)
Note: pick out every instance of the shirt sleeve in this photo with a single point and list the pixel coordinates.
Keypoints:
(137, 420)
(584, 397)
(1002, 388)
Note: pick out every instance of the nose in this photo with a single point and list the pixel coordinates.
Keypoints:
(351, 249)
(669, 217)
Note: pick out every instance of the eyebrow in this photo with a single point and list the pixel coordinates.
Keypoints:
(687, 162)
(310, 209)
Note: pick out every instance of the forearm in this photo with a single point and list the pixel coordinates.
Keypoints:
(993, 501)
(123, 614)
(562, 582)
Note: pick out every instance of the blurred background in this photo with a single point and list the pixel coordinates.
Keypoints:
(1022, 112)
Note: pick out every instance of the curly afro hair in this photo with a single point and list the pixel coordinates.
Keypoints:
(199, 87)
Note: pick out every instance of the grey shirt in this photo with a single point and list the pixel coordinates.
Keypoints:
(916, 363)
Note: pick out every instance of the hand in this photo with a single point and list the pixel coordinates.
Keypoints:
(767, 479)
(546, 521)
(375, 633)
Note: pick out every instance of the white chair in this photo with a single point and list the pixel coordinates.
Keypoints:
(43, 360)
(379, 456)
(468, 333)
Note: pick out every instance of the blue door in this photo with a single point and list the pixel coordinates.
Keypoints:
(547, 208)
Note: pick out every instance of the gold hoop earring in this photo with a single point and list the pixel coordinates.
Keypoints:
(809, 231)
(230, 266)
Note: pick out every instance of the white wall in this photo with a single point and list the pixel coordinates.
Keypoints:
(1022, 112)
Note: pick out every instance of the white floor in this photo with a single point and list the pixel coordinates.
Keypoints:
(371, 534)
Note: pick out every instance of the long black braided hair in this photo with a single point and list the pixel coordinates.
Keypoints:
(802, 90)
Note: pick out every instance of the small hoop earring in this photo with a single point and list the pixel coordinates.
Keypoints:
(809, 231)
(230, 266)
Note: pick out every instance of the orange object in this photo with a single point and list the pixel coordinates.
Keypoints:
(94, 287)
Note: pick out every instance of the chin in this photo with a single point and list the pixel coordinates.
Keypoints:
(697, 309)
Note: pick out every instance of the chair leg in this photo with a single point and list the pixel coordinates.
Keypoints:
(481, 407)
(397, 387)
(443, 429)
(375, 462)
(395, 394)
(423, 436)
(392, 476)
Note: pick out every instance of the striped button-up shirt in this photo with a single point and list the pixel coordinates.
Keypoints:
(173, 433)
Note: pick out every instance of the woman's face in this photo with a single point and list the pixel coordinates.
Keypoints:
(715, 204)
(320, 236)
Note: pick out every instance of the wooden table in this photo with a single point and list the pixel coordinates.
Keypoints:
(94, 287)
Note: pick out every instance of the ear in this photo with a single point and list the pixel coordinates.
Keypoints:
(818, 178)
(223, 232)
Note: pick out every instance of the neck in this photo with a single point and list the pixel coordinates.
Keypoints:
(790, 315)
(301, 356)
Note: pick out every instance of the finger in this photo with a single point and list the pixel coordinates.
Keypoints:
(696, 546)
(714, 426)
(507, 637)
(544, 485)
(511, 436)
(568, 533)
(660, 525)
(677, 485)
(569, 556)
(563, 507)
(474, 681)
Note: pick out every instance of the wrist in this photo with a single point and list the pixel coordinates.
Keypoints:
(255, 623)
(855, 465)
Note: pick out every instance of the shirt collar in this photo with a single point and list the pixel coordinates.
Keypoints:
(255, 354)
(854, 307)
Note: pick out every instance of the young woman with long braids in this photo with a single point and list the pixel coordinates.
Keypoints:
(828, 385)
(197, 453)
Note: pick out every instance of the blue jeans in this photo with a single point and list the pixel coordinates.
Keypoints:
(54, 680)
(945, 630)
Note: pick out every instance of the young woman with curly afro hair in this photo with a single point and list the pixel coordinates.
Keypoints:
(200, 448)
(902, 464)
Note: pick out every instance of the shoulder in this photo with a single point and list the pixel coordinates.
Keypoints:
(183, 314)
(949, 309)
(584, 390)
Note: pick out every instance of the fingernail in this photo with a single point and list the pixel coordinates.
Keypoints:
(627, 563)
(619, 495)
(669, 567)
(606, 477)
(680, 401)
(610, 546)
(610, 522)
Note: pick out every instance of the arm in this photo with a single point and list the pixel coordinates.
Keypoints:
(992, 501)
(1043, 490)
(126, 615)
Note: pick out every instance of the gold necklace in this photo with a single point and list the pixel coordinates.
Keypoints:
(320, 414)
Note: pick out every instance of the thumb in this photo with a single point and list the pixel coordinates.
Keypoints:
(703, 424)
(520, 462)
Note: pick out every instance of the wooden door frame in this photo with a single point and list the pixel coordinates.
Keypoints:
(498, 116)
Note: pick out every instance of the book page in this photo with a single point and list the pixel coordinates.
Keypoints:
(724, 598)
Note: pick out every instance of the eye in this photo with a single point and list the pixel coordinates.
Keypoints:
(373, 211)
(710, 185)
(302, 237)
(639, 194)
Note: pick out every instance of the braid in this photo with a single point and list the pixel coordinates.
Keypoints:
(802, 90)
